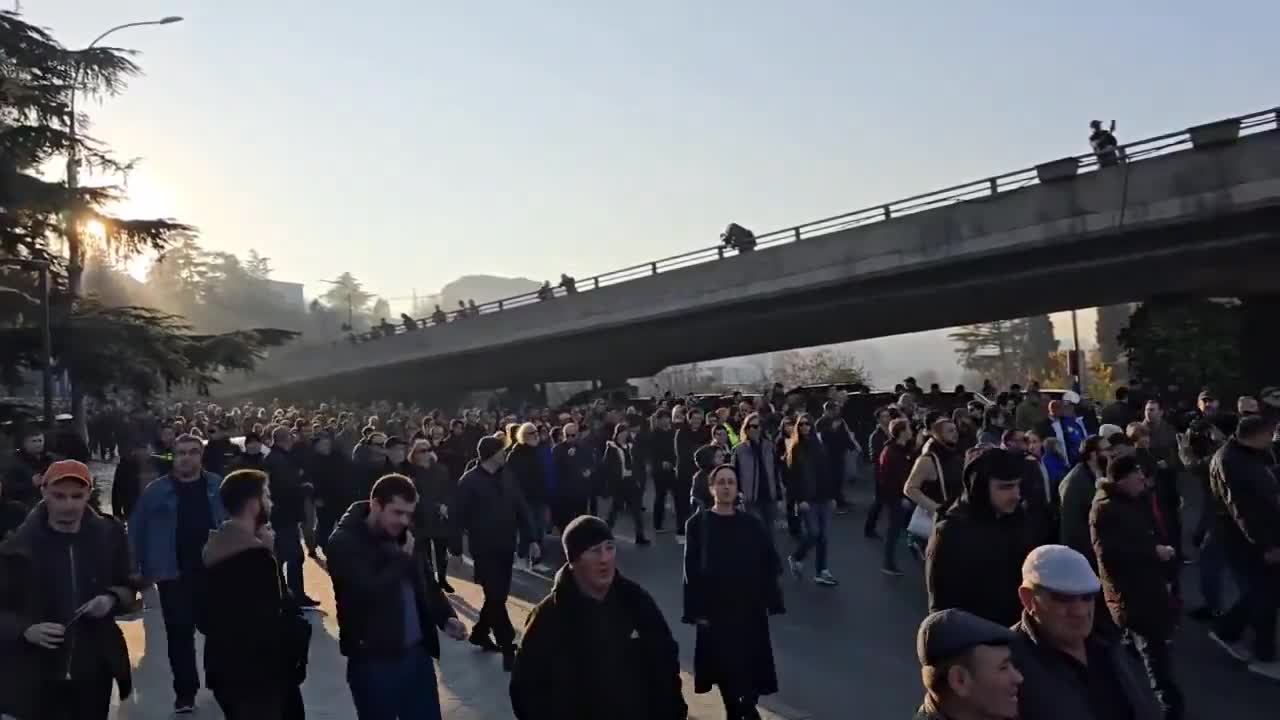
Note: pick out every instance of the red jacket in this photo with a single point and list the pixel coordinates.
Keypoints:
(892, 469)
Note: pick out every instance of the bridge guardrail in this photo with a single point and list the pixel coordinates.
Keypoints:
(987, 187)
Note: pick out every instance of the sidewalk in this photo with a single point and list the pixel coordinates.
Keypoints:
(472, 684)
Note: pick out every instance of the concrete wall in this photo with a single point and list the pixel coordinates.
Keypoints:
(1050, 221)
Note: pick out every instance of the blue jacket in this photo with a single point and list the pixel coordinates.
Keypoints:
(153, 526)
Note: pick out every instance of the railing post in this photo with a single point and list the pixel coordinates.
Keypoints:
(720, 252)
(995, 186)
(887, 212)
(595, 282)
(654, 267)
(796, 231)
(499, 304)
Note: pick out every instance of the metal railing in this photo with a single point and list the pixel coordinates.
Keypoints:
(978, 189)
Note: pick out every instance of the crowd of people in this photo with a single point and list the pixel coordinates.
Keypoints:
(1051, 534)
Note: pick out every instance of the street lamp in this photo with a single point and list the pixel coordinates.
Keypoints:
(73, 155)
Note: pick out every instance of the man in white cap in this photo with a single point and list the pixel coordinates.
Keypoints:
(1068, 673)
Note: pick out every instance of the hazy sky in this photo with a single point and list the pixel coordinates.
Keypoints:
(413, 142)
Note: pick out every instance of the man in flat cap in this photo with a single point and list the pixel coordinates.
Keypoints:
(597, 647)
(967, 668)
(1069, 672)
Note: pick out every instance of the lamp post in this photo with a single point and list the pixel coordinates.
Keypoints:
(72, 229)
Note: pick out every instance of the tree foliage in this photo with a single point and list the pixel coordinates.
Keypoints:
(1007, 351)
(813, 367)
(345, 293)
(1112, 319)
(1179, 345)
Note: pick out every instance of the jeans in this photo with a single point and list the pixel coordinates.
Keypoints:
(664, 484)
(1256, 608)
(493, 575)
(290, 556)
(873, 513)
(1213, 565)
(899, 515)
(402, 688)
(817, 522)
(177, 607)
(538, 525)
(1158, 662)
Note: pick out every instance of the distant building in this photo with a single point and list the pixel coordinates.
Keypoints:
(289, 292)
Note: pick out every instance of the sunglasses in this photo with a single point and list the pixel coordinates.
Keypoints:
(753, 426)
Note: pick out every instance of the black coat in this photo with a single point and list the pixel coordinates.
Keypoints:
(1134, 579)
(256, 641)
(526, 467)
(809, 474)
(335, 486)
(1246, 500)
(368, 573)
(556, 661)
(32, 673)
(575, 465)
(491, 511)
(1077, 490)
(620, 476)
(731, 588)
(974, 558)
(435, 488)
(284, 472)
(18, 485)
(687, 441)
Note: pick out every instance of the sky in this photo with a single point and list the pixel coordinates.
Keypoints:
(410, 143)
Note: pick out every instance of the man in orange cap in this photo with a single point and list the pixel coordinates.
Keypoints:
(64, 575)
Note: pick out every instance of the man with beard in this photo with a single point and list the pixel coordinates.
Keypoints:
(597, 646)
(63, 575)
(255, 650)
(26, 473)
(974, 558)
(167, 533)
(937, 477)
(492, 513)
(388, 606)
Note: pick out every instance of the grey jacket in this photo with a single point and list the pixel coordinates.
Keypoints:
(1050, 690)
(756, 489)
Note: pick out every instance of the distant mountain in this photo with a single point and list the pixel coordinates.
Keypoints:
(483, 289)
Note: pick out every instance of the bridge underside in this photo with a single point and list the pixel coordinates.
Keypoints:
(1230, 255)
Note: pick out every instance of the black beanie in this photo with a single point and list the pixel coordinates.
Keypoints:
(582, 534)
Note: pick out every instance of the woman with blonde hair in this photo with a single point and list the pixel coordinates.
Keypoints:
(530, 476)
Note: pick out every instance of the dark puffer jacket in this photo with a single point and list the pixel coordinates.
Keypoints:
(974, 558)
(1134, 579)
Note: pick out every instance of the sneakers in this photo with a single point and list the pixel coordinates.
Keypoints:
(1235, 650)
(797, 567)
(542, 569)
(1266, 669)
(446, 587)
(184, 706)
(891, 571)
(306, 602)
(826, 579)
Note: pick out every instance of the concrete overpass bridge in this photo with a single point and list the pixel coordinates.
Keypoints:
(1193, 211)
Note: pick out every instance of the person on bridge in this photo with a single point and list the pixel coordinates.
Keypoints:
(1104, 143)
(388, 606)
(974, 557)
(731, 588)
(967, 668)
(167, 533)
(597, 647)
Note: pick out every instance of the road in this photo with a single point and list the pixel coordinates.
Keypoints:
(836, 649)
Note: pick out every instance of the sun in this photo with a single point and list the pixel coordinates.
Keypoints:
(95, 230)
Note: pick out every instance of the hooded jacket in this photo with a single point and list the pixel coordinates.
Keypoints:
(368, 575)
(255, 642)
(99, 564)
(558, 675)
(1134, 579)
(974, 558)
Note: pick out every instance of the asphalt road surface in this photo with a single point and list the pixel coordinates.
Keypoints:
(840, 652)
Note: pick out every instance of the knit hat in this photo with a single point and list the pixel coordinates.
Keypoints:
(582, 534)
(488, 447)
